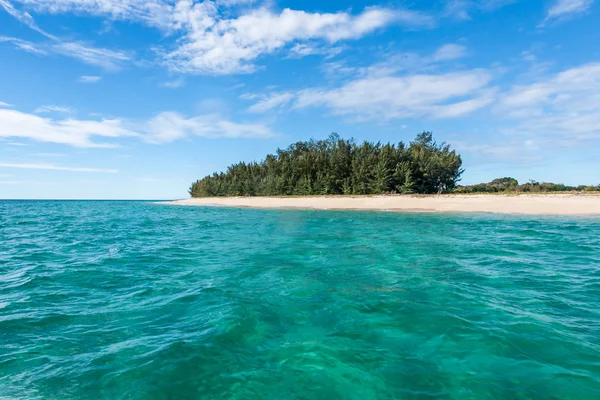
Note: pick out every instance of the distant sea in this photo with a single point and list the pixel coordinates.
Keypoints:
(137, 300)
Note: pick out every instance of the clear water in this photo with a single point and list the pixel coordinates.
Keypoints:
(135, 300)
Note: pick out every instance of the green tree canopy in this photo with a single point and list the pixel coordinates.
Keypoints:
(339, 166)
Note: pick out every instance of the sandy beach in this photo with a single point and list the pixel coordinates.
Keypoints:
(550, 204)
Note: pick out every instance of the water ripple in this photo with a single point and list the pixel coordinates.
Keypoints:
(134, 300)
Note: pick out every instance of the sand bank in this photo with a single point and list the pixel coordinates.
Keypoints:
(553, 204)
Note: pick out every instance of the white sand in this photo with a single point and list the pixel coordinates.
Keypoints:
(556, 204)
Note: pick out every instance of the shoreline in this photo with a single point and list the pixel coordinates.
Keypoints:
(513, 203)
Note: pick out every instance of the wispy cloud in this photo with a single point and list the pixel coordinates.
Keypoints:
(398, 62)
(447, 95)
(29, 183)
(53, 167)
(158, 13)
(519, 151)
(104, 58)
(463, 9)
(561, 9)
(404, 86)
(24, 17)
(78, 133)
(24, 45)
(226, 46)
(6, 105)
(58, 109)
(174, 84)
(300, 50)
(170, 126)
(211, 39)
(162, 128)
(564, 105)
(271, 101)
(89, 79)
(449, 52)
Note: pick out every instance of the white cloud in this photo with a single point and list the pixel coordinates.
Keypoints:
(400, 87)
(445, 95)
(151, 12)
(55, 167)
(89, 79)
(300, 50)
(525, 151)
(211, 39)
(174, 84)
(226, 46)
(72, 132)
(450, 52)
(24, 17)
(164, 127)
(566, 104)
(28, 183)
(58, 109)
(104, 58)
(24, 45)
(401, 62)
(564, 8)
(5, 105)
(269, 102)
(462, 9)
(171, 126)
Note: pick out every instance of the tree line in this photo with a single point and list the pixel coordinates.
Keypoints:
(503, 185)
(340, 166)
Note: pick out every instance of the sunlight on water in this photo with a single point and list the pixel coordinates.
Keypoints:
(134, 300)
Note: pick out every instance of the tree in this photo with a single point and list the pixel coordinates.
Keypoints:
(339, 166)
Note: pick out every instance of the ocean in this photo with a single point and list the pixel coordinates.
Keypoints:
(138, 300)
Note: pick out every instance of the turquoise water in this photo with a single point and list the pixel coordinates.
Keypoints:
(135, 300)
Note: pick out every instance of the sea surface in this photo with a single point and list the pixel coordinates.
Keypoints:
(138, 300)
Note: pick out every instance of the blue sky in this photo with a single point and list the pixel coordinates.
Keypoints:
(137, 98)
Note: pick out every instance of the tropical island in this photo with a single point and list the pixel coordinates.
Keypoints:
(338, 173)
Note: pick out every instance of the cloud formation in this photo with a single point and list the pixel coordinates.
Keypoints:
(78, 133)
(565, 8)
(463, 9)
(564, 105)
(406, 85)
(164, 127)
(57, 109)
(213, 40)
(53, 167)
(89, 79)
(225, 46)
(445, 95)
(170, 126)
(104, 58)
(270, 102)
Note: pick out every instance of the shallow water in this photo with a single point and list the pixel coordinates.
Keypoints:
(135, 300)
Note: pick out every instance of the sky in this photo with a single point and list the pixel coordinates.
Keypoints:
(135, 99)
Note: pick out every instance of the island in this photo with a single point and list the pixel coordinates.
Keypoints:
(341, 174)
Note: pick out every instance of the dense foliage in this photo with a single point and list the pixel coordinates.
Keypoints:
(502, 185)
(338, 166)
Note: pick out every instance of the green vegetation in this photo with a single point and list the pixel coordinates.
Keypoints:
(338, 166)
(507, 185)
